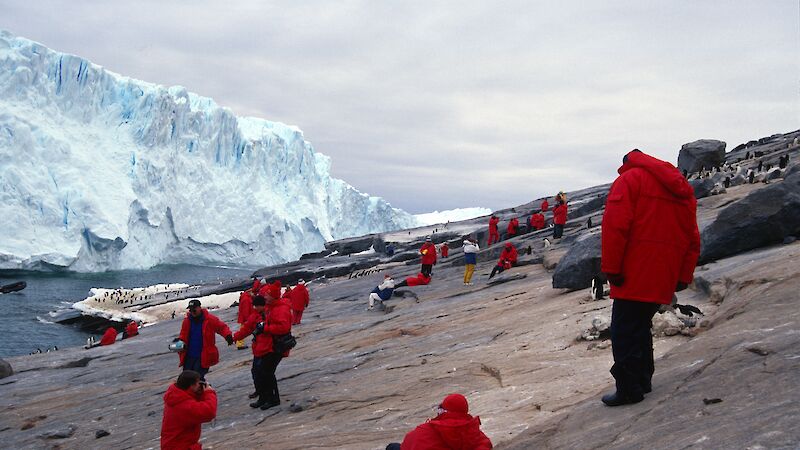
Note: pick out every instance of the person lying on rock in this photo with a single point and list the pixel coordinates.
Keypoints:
(109, 337)
(188, 403)
(452, 428)
(271, 318)
(650, 246)
(382, 292)
(508, 258)
(420, 280)
(131, 330)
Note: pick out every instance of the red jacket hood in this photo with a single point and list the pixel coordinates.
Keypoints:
(458, 430)
(666, 174)
(175, 395)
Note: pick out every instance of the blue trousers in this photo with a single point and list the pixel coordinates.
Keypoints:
(190, 363)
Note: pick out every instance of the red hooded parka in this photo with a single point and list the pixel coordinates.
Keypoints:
(132, 329)
(508, 257)
(513, 225)
(537, 221)
(560, 214)
(300, 298)
(245, 306)
(428, 252)
(277, 318)
(448, 431)
(109, 337)
(211, 325)
(545, 205)
(183, 414)
(419, 280)
(650, 233)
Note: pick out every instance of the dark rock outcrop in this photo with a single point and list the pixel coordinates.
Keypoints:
(702, 187)
(764, 217)
(581, 263)
(703, 153)
(5, 369)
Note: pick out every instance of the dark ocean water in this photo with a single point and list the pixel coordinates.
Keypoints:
(24, 315)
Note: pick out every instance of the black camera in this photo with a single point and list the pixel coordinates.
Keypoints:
(259, 329)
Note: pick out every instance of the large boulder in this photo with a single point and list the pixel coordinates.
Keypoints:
(5, 369)
(764, 217)
(702, 187)
(581, 263)
(703, 153)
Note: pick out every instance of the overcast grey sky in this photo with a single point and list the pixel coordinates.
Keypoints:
(446, 104)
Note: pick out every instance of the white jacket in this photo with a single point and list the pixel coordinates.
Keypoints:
(469, 247)
(388, 283)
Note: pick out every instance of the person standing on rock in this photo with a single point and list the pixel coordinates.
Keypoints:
(428, 252)
(270, 320)
(197, 333)
(188, 403)
(494, 236)
(508, 257)
(382, 292)
(545, 205)
(650, 246)
(452, 428)
(245, 309)
(445, 249)
(559, 216)
(300, 299)
(471, 250)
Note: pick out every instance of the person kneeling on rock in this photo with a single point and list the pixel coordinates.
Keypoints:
(271, 319)
(452, 428)
(507, 260)
(188, 403)
(382, 292)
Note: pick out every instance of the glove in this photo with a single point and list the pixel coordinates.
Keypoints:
(680, 286)
(229, 339)
(615, 278)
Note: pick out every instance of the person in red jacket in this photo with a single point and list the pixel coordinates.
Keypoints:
(559, 217)
(272, 316)
(537, 221)
(197, 333)
(494, 236)
(508, 257)
(300, 300)
(545, 205)
(109, 337)
(188, 403)
(428, 252)
(452, 428)
(650, 245)
(245, 309)
(513, 227)
(445, 250)
(131, 330)
(420, 280)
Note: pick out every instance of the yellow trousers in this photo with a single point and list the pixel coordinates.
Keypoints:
(469, 269)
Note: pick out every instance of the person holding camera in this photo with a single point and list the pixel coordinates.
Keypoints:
(188, 403)
(270, 324)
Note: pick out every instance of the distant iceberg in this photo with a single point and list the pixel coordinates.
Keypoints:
(453, 215)
(102, 172)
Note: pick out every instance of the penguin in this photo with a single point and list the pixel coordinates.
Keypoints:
(589, 223)
(727, 182)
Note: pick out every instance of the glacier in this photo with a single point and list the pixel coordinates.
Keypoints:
(103, 172)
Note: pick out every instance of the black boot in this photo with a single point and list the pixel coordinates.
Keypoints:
(259, 403)
(270, 404)
(618, 398)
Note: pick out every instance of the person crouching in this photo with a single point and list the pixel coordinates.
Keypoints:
(272, 316)
(188, 403)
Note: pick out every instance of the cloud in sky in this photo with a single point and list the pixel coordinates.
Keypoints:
(440, 105)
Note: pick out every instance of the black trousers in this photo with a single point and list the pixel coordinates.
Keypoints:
(632, 345)
(558, 231)
(263, 372)
(427, 269)
(496, 270)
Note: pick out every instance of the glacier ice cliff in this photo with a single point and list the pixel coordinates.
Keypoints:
(102, 172)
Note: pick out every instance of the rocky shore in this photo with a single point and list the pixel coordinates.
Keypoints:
(528, 350)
